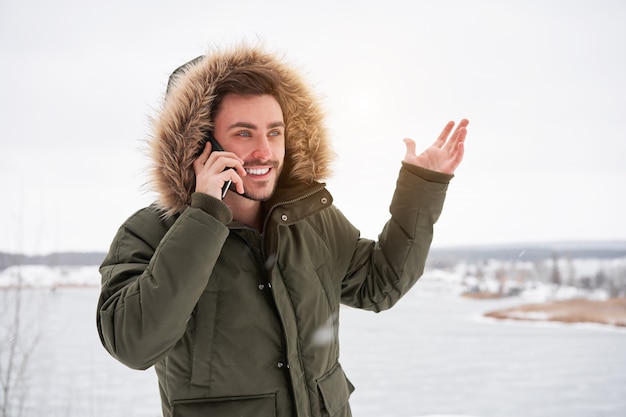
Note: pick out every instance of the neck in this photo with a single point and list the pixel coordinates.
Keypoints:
(244, 210)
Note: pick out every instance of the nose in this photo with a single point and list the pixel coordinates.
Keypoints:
(262, 150)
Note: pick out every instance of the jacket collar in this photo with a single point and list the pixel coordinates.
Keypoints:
(294, 204)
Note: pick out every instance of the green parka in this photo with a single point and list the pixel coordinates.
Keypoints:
(239, 323)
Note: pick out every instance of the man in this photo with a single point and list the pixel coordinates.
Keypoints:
(236, 301)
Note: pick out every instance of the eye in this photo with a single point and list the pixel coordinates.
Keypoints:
(245, 134)
(275, 133)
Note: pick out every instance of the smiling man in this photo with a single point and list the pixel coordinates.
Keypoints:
(252, 131)
(236, 301)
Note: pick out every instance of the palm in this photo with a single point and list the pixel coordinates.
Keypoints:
(445, 154)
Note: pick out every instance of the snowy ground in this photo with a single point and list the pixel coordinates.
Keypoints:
(42, 276)
(446, 282)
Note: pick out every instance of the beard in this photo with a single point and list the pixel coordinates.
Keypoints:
(267, 192)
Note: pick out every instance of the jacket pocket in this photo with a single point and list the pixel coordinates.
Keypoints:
(206, 312)
(335, 390)
(248, 406)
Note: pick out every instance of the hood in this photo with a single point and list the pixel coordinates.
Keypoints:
(180, 126)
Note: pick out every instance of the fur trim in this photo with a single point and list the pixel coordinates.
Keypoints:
(179, 128)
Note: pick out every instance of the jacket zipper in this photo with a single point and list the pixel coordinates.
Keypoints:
(269, 295)
(271, 292)
(266, 288)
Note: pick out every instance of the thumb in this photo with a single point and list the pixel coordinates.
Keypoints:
(410, 148)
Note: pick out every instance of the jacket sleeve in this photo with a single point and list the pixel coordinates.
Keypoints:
(381, 272)
(152, 278)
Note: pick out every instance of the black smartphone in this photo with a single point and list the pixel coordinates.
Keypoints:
(215, 146)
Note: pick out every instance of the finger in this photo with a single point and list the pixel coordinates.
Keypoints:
(462, 134)
(235, 178)
(458, 156)
(219, 161)
(456, 153)
(206, 151)
(239, 185)
(239, 168)
(441, 140)
(202, 157)
(461, 127)
(458, 134)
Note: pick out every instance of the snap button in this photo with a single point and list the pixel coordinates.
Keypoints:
(280, 365)
(261, 287)
(284, 217)
(324, 200)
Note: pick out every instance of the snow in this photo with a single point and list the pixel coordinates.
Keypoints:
(43, 276)
(526, 280)
(529, 315)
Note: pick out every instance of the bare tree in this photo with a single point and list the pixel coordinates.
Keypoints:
(556, 273)
(16, 347)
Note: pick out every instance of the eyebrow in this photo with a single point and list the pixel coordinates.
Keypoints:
(251, 126)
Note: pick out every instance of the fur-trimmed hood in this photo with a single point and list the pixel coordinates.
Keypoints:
(180, 126)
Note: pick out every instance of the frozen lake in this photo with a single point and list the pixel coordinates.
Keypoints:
(432, 354)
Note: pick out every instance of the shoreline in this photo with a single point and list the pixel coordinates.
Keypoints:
(611, 312)
(607, 312)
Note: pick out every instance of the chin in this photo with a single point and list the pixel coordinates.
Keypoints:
(259, 195)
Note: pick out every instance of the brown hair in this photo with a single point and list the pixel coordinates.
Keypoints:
(250, 81)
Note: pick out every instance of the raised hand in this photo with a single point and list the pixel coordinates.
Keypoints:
(445, 154)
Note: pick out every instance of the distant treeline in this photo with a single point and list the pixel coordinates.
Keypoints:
(530, 252)
(58, 258)
(438, 256)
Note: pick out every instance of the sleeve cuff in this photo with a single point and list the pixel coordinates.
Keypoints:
(213, 206)
(427, 174)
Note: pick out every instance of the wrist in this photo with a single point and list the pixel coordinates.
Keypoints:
(427, 174)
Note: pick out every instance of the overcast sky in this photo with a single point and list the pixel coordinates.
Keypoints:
(542, 82)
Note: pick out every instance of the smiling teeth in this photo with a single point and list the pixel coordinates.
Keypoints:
(261, 171)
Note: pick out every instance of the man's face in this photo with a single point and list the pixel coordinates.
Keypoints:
(252, 127)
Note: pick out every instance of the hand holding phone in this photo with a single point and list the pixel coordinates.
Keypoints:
(200, 163)
(215, 146)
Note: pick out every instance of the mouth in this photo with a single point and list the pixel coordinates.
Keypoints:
(257, 171)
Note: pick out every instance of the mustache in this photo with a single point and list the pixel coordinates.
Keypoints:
(257, 162)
